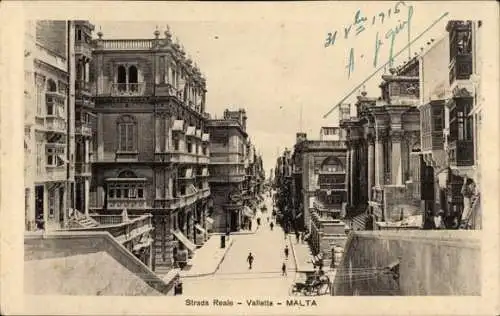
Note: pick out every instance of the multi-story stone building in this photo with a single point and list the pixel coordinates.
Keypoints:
(228, 140)
(319, 171)
(450, 114)
(286, 210)
(85, 122)
(151, 153)
(49, 123)
(381, 140)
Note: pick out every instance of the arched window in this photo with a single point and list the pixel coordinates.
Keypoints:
(122, 78)
(127, 134)
(51, 85)
(127, 174)
(132, 78)
(332, 164)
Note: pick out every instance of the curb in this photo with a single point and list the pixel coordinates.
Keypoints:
(297, 266)
(294, 255)
(216, 268)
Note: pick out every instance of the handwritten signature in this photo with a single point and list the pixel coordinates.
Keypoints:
(390, 36)
(359, 23)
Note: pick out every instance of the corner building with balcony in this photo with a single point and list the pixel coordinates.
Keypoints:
(151, 151)
(228, 139)
(85, 122)
(49, 124)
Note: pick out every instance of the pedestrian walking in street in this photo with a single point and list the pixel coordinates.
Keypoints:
(283, 269)
(297, 236)
(286, 252)
(271, 225)
(250, 225)
(258, 221)
(250, 260)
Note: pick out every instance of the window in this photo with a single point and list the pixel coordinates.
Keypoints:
(437, 116)
(204, 149)
(127, 129)
(52, 203)
(79, 35)
(125, 191)
(51, 86)
(122, 77)
(133, 78)
(162, 69)
(176, 144)
(461, 125)
(39, 100)
(189, 146)
(55, 156)
(39, 157)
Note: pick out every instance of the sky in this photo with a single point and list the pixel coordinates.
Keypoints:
(277, 66)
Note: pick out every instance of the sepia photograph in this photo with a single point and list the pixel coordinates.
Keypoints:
(260, 158)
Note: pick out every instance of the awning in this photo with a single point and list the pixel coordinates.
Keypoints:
(247, 211)
(198, 133)
(184, 240)
(191, 130)
(143, 244)
(205, 137)
(209, 220)
(62, 158)
(191, 189)
(189, 173)
(178, 125)
(199, 228)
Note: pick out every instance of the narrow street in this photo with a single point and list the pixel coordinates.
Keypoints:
(234, 278)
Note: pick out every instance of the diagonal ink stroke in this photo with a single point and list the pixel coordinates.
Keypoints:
(382, 66)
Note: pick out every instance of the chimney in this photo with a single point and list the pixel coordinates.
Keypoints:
(299, 137)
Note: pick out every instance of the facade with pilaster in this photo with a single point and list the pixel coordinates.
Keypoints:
(151, 150)
(382, 139)
(228, 150)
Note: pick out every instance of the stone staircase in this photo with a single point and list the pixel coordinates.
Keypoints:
(356, 219)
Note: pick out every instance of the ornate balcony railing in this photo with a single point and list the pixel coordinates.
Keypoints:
(55, 124)
(461, 153)
(83, 49)
(82, 86)
(83, 129)
(125, 44)
(128, 89)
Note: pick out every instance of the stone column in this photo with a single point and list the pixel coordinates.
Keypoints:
(352, 166)
(379, 158)
(348, 172)
(396, 162)
(371, 165)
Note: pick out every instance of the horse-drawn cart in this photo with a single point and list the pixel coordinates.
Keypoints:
(311, 283)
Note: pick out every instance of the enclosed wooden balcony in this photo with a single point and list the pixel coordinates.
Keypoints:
(460, 67)
(461, 153)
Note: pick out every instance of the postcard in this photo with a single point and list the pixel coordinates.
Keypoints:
(249, 158)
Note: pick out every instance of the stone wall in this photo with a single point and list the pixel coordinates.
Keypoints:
(430, 263)
(51, 34)
(74, 244)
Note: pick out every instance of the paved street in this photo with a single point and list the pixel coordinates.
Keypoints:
(235, 279)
